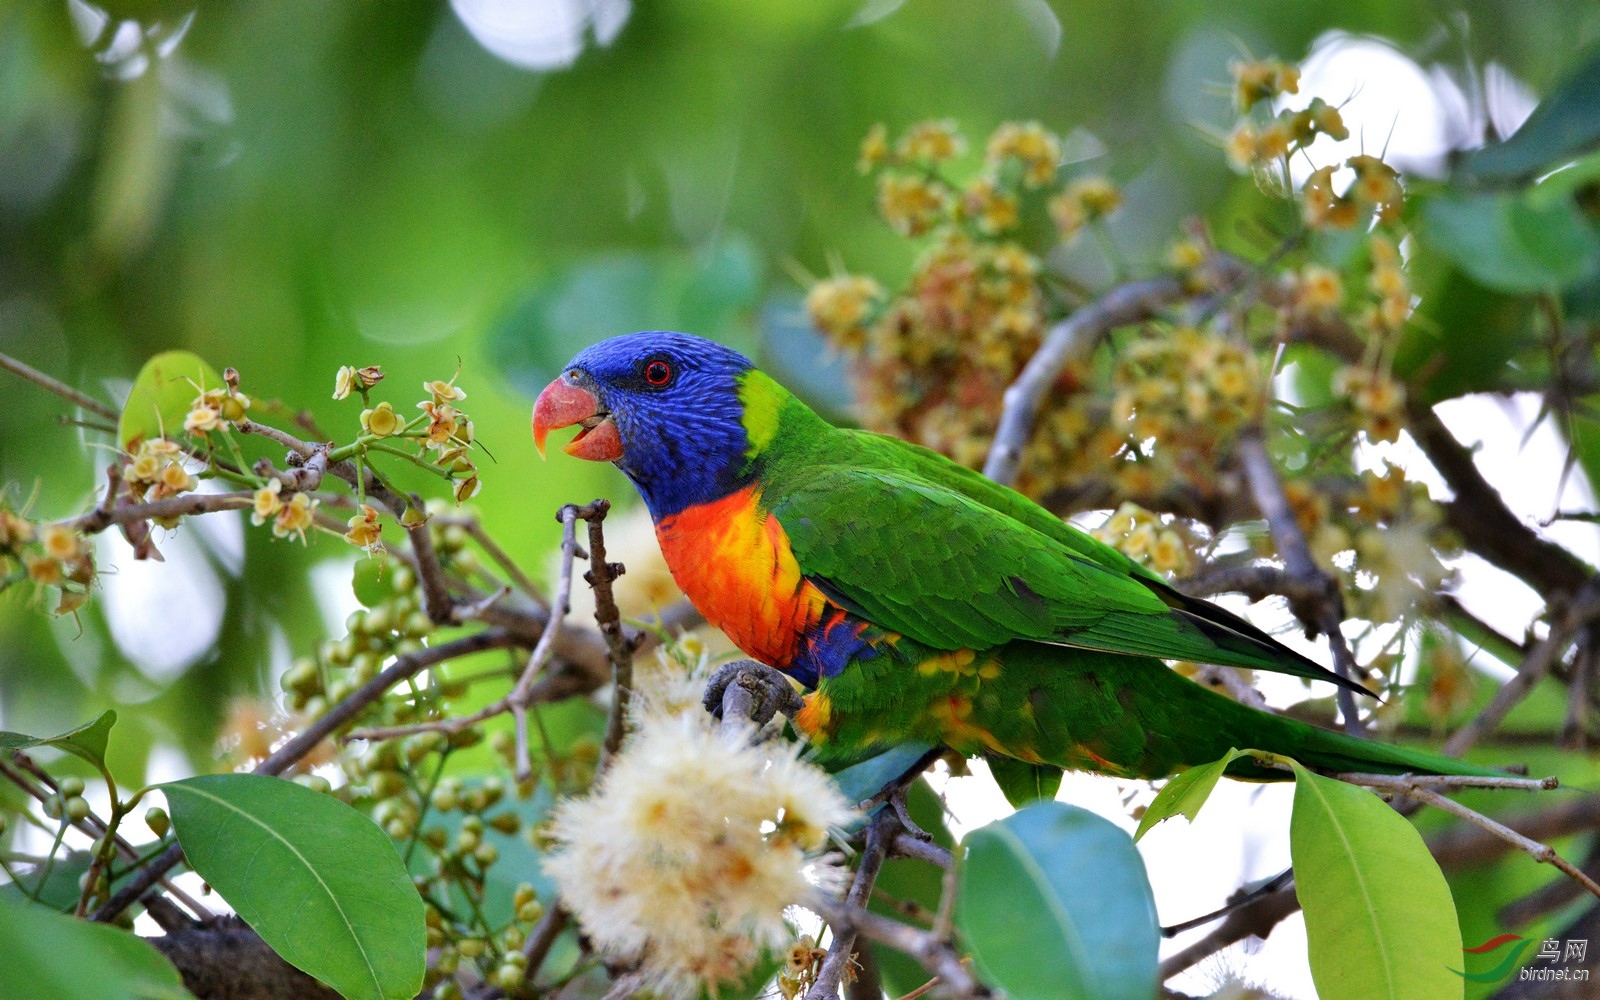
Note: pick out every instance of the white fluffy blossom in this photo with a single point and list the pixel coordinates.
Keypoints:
(692, 845)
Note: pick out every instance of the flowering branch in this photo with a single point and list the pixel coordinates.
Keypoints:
(303, 742)
(1073, 338)
(1321, 604)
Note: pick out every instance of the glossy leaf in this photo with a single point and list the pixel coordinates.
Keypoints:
(317, 880)
(1185, 793)
(1022, 782)
(1055, 905)
(51, 956)
(87, 741)
(163, 394)
(1379, 916)
(1512, 242)
(1565, 124)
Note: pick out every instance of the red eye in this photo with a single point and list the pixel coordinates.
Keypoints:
(658, 373)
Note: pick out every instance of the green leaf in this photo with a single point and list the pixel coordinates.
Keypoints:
(1565, 124)
(1379, 915)
(317, 880)
(1463, 335)
(87, 741)
(1512, 242)
(162, 395)
(1185, 793)
(1054, 904)
(1023, 782)
(51, 956)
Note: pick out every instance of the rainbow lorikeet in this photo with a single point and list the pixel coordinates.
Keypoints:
(917, 600)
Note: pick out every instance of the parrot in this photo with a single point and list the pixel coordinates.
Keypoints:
(914, 600)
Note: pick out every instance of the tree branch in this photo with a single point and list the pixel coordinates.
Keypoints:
(1322, 606)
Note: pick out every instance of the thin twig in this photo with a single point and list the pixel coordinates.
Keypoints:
(101, 517)
(939, 957)
(1405, 783)
(619, 649)
(1326, 611)
(58, 387)
(880, 834)
(20, 768)
(1542, 853)
(561, 602)
(1563, 629)
(1256, 920)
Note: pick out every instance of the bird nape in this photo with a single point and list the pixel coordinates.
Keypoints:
(915, 599)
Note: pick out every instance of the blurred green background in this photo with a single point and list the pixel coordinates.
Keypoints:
(292, 186)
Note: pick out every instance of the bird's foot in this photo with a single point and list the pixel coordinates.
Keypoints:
(750, 690)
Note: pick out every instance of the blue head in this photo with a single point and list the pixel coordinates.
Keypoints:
(664, 407)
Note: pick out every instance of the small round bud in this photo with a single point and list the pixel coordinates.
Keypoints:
(157, 820)
(379, 621)
(509, 977)
(77, 809)
(70, 786)
(471, 947)
(486, 854)
(417, 625)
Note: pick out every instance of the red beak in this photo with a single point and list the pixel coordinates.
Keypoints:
(563, 404)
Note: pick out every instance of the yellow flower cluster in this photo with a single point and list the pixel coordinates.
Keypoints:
(1377, 186)
(446, 430)
(1377, 399)
(214, 408)
(290, 518)
(350, 379)
(1388, 283)
(1257, 80)
(1087, 200)
(720, 833)
(844, 307)
(1185, 386)
(1252, 145)
(1029, 144)
(1164, 545)
(156, 470)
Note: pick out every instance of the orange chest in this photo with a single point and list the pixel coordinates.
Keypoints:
(735, 565)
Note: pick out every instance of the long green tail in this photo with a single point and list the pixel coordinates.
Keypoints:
(1136, 717)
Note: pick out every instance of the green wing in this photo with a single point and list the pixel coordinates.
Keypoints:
(942, 568)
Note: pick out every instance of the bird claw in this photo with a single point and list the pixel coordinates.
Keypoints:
(760, 691)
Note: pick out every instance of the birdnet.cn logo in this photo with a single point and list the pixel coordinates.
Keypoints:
(1554, 961)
